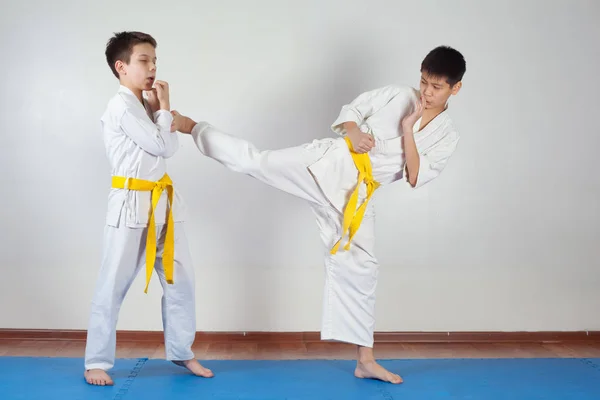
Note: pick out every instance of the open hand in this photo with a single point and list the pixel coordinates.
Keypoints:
(409, 121)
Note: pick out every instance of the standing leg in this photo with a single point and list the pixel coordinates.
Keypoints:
(350, 285)
(178, 304)
(122, 259)
(284, 169)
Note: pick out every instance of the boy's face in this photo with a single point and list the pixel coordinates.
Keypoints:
(140, 73)
(436, 90)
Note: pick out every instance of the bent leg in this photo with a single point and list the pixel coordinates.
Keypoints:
(178, 304)
(284, 169)
(178, 300)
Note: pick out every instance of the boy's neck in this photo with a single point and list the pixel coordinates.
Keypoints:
(136, 92)
(430, 114)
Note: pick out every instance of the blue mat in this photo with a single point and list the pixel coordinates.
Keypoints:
(489, 379)
(29, 378)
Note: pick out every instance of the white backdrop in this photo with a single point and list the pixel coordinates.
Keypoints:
(506, 239)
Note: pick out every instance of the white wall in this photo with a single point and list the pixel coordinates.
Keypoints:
(505, 239)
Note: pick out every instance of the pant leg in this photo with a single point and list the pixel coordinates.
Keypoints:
(123, 256)
(350, 281)
(284, 169)
(178, 300)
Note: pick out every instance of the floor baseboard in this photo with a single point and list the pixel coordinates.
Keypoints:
(293, 337)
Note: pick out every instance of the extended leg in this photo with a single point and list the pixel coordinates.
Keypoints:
(123, 248)
(284, 169)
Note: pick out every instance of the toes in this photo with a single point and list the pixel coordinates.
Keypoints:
(207, 373)
(98, 381)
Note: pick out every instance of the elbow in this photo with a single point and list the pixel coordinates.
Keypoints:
(167, 154)
(412, 173)
(169, 151)
(413, 180)
(169, 145)
(163, 150)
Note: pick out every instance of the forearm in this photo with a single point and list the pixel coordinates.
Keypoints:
(363, 106)
(352, 131)
(153, 137)
(171, 140)
(411, 156)
(350, 126)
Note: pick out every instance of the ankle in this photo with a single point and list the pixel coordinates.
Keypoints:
(365, 355)
(365, 361)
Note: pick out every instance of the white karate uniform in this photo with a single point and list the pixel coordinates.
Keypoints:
(137, 144)
(323, 173)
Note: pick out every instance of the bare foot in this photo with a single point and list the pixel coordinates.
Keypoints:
(97, 377)
(195, 368)
(372, 370)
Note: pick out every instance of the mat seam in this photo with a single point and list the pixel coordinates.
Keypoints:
(590, 363)
(130, 378)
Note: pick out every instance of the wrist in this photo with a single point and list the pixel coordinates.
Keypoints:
(165, 105)
(353, 132)
(189, 125)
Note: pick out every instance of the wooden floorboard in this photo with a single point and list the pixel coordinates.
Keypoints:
(309, 350)
(307, 345)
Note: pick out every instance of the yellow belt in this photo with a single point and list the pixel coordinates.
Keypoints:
(352, 216)
(119, 182)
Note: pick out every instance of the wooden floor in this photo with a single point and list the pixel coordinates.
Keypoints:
(310, 350)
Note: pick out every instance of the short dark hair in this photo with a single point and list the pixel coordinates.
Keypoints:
(445, 62)
(120, 47)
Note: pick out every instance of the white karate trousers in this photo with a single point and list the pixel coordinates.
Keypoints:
(350, 276)
(124, 254)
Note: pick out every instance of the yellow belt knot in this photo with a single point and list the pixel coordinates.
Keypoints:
(156, 188)
(353, 217)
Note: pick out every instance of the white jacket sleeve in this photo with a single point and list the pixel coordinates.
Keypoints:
(365, 105)
(154, 138)
(433, 161)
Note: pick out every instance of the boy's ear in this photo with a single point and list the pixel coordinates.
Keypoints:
(120, 67)
(456, 88)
